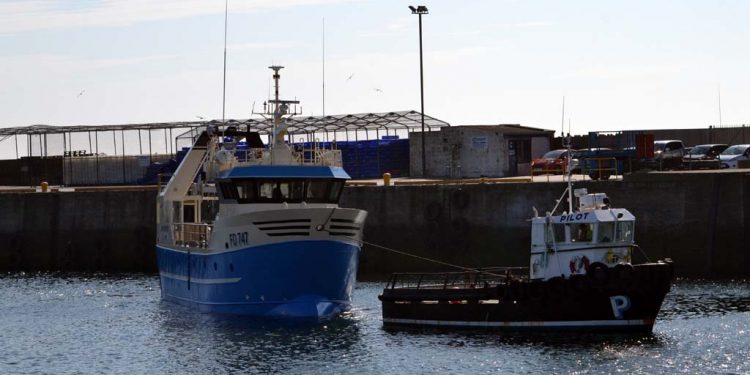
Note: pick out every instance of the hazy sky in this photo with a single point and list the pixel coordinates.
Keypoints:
(620, 64)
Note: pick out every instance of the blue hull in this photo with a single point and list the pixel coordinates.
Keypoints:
(300, 279)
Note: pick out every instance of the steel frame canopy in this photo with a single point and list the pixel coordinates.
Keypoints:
(391, 121)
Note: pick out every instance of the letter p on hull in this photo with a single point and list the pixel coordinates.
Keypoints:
(620, 304)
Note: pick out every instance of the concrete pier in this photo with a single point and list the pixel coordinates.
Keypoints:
(699, 219)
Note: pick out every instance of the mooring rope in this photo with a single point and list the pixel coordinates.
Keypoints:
(363, 242)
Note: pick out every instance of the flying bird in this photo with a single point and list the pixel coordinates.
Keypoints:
(350, 77)
(200, 117)
(378, 90)
(80, 93)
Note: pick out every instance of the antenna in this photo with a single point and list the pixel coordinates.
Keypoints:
(324, 67)
(224, 86)
(719, 92)
(562, 125)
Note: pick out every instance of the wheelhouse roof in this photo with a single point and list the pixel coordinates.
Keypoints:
(285, 172)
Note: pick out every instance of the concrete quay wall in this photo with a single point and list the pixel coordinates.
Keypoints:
(112, 231)
(701, 220)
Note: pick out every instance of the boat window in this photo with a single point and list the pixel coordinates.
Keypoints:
(316, 191)
(277, 191)
(227, 191)
(583, 232)
(606, 232)
(245, 191)
(335, 192)
(556, 232)
(625, 231)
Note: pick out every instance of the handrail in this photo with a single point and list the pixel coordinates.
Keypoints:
(192, 234)
(456, 279)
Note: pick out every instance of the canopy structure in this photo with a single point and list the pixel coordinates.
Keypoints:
(34, 140)
(402, 120)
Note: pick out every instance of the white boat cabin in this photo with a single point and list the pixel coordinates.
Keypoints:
(568, 244)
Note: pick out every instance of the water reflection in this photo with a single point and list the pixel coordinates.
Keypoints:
(257, 345)
(694, 299)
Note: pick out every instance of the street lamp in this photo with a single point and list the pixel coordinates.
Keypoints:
(420, 10)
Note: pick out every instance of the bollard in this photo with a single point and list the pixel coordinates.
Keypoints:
(386, 179)
(45, 186)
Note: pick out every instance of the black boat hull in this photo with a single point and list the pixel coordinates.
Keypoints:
(618, 300)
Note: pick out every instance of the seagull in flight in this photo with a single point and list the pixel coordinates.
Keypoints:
(200, 117)
(350, 77)
(80, 93)
(378, 90)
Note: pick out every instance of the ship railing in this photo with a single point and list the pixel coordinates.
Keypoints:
(192, 234)
(319, 156)
(251, 155)
(457, 280)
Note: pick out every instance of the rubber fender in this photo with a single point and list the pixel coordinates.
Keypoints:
(598, 272)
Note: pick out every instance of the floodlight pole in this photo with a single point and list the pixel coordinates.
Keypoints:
(420, 10)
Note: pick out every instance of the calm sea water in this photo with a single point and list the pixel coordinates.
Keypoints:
(94, 324)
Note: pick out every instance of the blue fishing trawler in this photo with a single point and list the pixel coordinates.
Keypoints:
(258, 232)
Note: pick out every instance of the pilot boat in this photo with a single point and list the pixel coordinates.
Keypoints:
(581, 276)
(259, 231)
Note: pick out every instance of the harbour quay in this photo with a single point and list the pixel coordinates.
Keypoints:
(700, 219)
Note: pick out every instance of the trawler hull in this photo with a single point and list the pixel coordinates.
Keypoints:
(624, 302)
(295, 279)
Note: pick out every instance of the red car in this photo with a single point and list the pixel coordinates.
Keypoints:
(555, 162)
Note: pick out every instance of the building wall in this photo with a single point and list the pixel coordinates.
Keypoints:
(469, 152)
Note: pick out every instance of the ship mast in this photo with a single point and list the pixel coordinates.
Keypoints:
(570, 175)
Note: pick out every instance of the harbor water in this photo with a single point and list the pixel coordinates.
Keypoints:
(90, 324)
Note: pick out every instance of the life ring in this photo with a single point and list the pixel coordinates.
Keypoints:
(577, 264)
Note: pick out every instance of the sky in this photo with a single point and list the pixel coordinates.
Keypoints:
(619, 65)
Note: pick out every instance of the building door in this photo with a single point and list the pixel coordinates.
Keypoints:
(512, 158)
(519, 156)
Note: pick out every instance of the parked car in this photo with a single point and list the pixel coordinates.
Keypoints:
(704, 156)
(668, 154)
(668, 149)
(555, 162)
(731, 157)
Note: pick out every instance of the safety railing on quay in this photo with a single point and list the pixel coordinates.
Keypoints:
(602, 168)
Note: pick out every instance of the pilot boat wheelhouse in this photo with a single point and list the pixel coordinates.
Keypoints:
(258, 232)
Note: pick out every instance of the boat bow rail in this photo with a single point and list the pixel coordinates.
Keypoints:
(454, 280)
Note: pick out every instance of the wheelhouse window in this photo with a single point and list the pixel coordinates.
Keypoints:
(625, 231)
(583, 232)
(278, 191)
(606, 231)
(555, 233)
